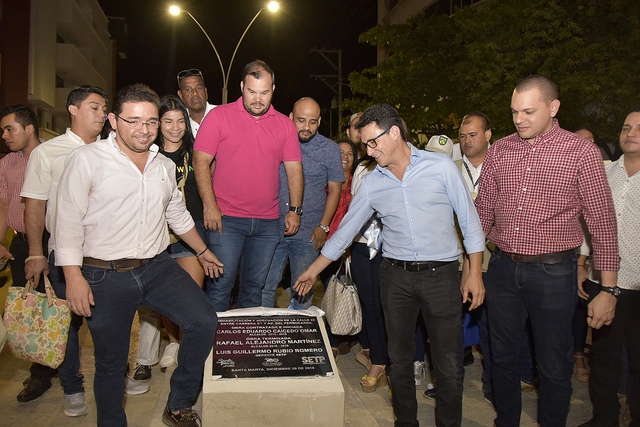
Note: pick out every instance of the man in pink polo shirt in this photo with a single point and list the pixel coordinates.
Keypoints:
(249, 140)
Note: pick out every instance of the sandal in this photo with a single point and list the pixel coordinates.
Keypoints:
(362, 357)
(582, 374)
(370, 384)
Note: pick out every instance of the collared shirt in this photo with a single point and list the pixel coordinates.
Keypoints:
(625, 190)
(108, 209)
(416, 213)
(536, 192)
(471, 176)
(195, 125)
(12, 168)
(321, 164)
(45, 167)
(248, 152)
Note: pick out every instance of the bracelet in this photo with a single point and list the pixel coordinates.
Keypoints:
(32, 257)
(205, 250)
(580, 265)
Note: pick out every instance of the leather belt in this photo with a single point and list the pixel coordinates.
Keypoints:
(418, 265)
(118, 265)
(550, 258)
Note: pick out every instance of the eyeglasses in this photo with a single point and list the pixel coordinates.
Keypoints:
(372, 142)
(189, 73)
(137, 124)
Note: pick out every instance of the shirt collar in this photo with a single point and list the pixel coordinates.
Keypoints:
(548, 136)
(76, 138)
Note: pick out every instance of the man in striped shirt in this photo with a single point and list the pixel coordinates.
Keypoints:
(19, 126)
(534, 186)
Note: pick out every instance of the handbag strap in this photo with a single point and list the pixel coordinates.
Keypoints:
(347, 267)
(51, 295)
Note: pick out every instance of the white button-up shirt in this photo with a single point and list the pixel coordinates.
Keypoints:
(107, 209)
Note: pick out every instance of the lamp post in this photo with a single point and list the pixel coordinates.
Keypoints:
(272, 7)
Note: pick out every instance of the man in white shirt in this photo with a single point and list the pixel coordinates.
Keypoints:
(193, 93)
(115, 200)
(624, 179)
(87, 106)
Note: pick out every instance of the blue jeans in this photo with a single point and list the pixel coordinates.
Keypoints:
(547, 294)
(301, 255)
(247, 244)
(70, 378)
(437, 294)
(163, 286)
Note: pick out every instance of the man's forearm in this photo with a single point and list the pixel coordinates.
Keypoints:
(295, 181)
(475, 263)
(202, 170)
(34, 218)
(4, 214)
(333, 199)
(609, 278)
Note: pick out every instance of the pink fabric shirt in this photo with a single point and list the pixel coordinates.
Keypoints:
(248, 152)
(12, 168)
(536, 192)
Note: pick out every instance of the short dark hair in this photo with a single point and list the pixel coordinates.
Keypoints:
(173, 103)
(353, 149)
(256, 69)
(82, 92)
(25, 116)
(486, 125)
(637, 110)
(384, 116)
(137, 92)
(547, 87)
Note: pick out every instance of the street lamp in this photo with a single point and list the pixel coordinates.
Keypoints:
(272, 7)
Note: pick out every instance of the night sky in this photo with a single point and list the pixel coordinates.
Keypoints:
(159, 44)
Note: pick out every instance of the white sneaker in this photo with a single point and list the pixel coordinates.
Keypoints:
(170, 355)
(135, 387)
(418, 372)
(75, 405)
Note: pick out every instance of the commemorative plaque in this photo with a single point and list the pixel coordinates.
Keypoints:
(269, 346)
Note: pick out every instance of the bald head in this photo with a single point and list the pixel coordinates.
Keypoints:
(306, 117)
(586, 134)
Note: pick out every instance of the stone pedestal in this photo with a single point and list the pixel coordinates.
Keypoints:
(273, 401)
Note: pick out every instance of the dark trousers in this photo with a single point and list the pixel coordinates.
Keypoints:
(547, 294)
(366, 275)
(163, 286)
(437, 293)
(19, 248)
(605, 361)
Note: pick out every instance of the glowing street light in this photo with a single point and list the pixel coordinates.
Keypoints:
(272, 7)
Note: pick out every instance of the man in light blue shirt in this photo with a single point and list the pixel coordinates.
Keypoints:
(415, 194)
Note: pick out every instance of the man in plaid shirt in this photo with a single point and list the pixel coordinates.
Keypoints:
(534, 186)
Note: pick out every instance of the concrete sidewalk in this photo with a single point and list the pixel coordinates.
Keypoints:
(362, 409)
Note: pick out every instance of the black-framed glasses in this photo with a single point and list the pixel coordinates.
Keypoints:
(137, 124)
(189, 73)
(372, 143)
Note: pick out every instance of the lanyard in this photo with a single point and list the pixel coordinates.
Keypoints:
(474, 183)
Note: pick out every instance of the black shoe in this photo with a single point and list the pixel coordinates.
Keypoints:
(33, 388)
(489, 398)
(593, 422)
(184, 418)
(430, 393)
(143, 373)
(468, 358)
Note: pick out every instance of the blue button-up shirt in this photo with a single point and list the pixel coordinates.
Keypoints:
(417, 212)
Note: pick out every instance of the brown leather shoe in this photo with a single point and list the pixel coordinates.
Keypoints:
(184, 418)
(33, 388)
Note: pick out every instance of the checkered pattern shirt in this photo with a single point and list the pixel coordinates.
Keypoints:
(12, 168)
(531, 196)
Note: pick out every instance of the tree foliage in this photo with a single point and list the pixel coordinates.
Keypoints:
(444, 66)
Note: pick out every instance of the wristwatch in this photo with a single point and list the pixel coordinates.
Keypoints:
(296, 209)
(324, 228)
(613, 290)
